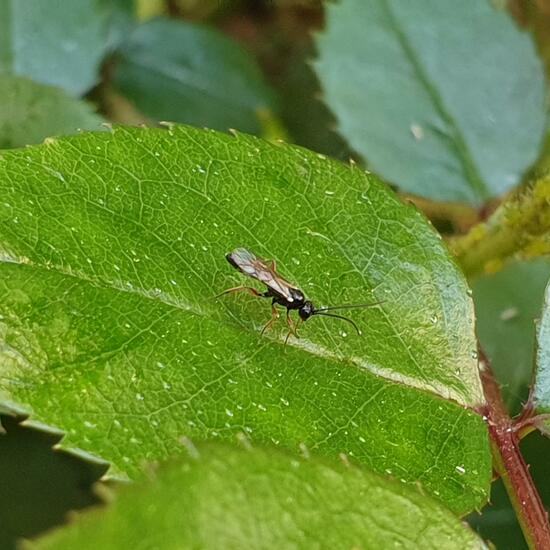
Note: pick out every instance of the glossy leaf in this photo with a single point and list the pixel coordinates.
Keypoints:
(445, 110)
(507, 305)
(32, 112)
(183, 72)
(53, 42)
(113, 249)
(231, 498)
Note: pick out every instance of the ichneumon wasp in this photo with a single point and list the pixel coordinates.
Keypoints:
(281, 291)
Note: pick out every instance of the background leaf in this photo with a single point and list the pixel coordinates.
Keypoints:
(541, 389)
(444, 110)
(182, 72)
(28, 461)
(113, 248)
(122, 20)
(507, 305)
(53, 42)
(32, 112)
(306, 117)
(497, 522)
(231, 498)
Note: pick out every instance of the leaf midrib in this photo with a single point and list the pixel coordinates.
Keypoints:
(463, 154)
(437, 389)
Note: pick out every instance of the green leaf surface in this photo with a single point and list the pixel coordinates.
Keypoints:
(507, 304)
(184, 72)
(113, 248)
(53, 42)
(444, 110)
(32, 112)
(227, 497)
(541, 390)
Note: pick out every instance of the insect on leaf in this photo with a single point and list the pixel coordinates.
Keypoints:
(113, 248)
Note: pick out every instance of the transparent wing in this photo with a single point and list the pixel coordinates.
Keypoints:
(261, 270)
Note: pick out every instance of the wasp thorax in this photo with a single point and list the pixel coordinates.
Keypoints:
(297, 296)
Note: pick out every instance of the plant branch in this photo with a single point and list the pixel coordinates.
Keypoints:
(461, 216)
(510, 465)
(520, 225)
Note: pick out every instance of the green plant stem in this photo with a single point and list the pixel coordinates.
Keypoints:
(510, 465)
(520, 225)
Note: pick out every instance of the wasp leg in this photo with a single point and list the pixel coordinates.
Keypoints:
(274, 316)
(248, 289)
(292, 326)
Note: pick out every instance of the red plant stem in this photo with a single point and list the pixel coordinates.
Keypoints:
(509, 463)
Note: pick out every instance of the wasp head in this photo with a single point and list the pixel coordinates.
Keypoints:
(306, 311)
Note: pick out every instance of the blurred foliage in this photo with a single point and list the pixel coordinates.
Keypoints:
(32, 112)
(40, 485)
(261, 498)
(396, 78)
(178, 72)
(541, 386)
(45, 41)
(507, 305)
(518, 228)
(498, 523)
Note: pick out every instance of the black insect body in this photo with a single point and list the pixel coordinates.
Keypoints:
(281, 291)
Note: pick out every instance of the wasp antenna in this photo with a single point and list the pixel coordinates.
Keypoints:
(339, 317)
(350, 306)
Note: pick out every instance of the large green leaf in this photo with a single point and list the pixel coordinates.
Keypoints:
(231, 498)
(184, 72)
(31, 112)
(113, 248)
(53, 42)
(507, 304)
(445, 99)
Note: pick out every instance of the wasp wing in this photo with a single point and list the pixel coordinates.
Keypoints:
(261, 270)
